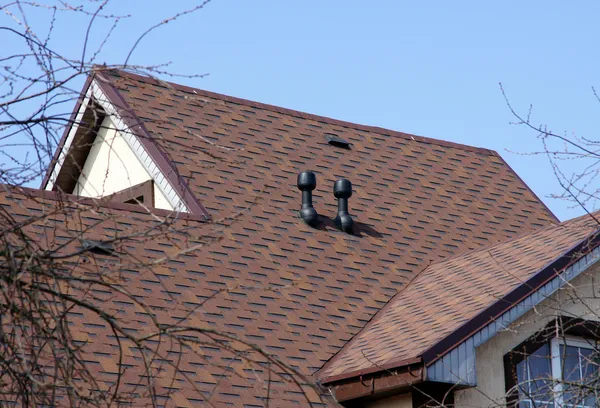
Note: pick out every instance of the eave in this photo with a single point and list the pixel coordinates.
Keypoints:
(452, 359)
(355, 385)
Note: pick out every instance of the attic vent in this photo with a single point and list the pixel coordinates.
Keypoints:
(142, 193)
(98, 247)
(337, 141)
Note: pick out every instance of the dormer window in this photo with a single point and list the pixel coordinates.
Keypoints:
(559, 372)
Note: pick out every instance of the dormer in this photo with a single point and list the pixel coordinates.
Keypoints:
(106, 152)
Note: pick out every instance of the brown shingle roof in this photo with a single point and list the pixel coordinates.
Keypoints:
(416, 201)
(450, 293)
(162, 265)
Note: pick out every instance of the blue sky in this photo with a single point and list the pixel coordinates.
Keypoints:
(430, 68)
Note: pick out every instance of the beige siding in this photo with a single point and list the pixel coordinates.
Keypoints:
(397, 401)
(580, 298)
(112, 166)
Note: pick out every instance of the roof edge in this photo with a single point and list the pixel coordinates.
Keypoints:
(397, 380)
(373, 370)
(97, 202)
(529, 188)
(309, 116)
(160, 158)
(67, 130)
(492, 312)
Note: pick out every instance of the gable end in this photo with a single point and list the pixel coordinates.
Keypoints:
(100, 111)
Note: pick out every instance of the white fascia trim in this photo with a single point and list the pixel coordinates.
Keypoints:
(133, 142)
(458, 365)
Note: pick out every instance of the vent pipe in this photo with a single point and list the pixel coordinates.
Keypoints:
(342, 190)
(307, 182)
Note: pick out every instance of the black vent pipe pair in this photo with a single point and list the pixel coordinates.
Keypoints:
(342, 190)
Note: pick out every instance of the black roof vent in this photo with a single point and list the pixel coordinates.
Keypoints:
(307, 182)
(342, 190)
(337, 141)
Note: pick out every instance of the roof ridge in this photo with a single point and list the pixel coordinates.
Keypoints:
(302, 115)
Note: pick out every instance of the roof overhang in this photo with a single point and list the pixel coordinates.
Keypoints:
(66, 142)
(452, 359)
(99, 92)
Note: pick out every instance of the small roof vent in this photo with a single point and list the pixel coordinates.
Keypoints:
(337, 141)
(98, 247)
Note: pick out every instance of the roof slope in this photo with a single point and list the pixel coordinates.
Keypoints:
(228, 149)
(450, 293)
(416, 200)
(161, 282)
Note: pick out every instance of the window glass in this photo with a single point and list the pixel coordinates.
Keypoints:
(534, 376)
(580, 375)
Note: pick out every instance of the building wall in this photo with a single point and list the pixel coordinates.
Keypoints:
(112, 166)
(580, 298)
(397, 401)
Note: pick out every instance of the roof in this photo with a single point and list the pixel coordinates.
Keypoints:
(444, 297)
(416, 201)
(150, 247)
(228, 149)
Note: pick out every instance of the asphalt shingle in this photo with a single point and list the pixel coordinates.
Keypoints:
(297, 292)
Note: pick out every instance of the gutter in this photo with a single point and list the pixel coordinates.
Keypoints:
(377, 380)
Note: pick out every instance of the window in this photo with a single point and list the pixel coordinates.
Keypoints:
(534, 379)
(578, 369)
(560, 373)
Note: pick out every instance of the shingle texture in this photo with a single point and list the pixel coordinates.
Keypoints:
(299, 292)
(446, 295)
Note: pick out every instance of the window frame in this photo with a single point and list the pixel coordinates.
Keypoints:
(557, 363)
(527, 348)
